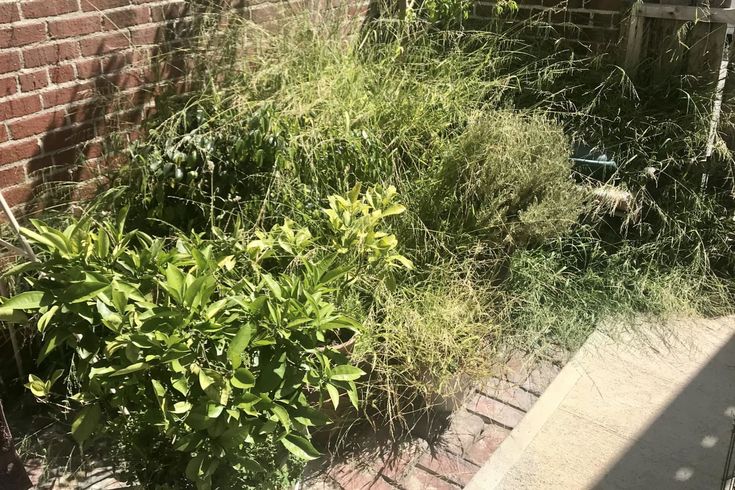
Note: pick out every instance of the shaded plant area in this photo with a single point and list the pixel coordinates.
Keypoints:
(336, 227)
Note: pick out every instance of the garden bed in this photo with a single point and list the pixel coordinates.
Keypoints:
(411, 186)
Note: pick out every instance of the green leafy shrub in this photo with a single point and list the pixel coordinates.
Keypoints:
(218, 348)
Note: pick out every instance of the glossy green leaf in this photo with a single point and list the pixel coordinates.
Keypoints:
(82, 291)
(52, 341)
(333, 394)
(243, 378)
(282, 416)
(181, 385)
(346, 373)
(38, 387)
(103, 243)
(138, 366)
(239, 344)
(175, 282)
(47, 317)
(12, 316)
(29, 300)
(300, 447)
(273, 286)
(181, 407)
(86, 423)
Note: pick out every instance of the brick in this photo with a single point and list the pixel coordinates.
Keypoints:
(602, 20)
(64, 138)
(147, 35)
(464, 429)
(449, 466)
(90, 5)
(67, 157)
(394, 465)
(9, 13)
(509, 393)
(33, 81)
(125, 18)
(10, 176)
(540, 377)
(9, 62)
(557, 16)
(614, 5)
(47, 8)
(107, 43)
(127, 80)
(62, 73)
(50, 55)
(77, 26)
(13, 152)
(36, 124)
(22, 34)
(495, 411)
(265, 14)
(88, 68)
(8, 86)
(84, 112)
(580, 18)
(169, 12)
(354, 478)
(319, 482)
(116, 62)
(65, 95)
(87, 190)
(419, 479)
(18, 194)
(93, 150)
(38, 165)
(3, 133)
(481, 450)
(19, 107)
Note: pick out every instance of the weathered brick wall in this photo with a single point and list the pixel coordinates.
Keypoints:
(593, 23)
(70, 68)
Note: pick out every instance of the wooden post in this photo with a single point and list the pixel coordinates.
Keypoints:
(635, 39)
(720, 59)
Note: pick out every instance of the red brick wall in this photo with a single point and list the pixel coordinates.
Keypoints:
(69, 68)
(593, 23)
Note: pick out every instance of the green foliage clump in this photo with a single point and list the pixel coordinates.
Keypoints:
(424, 343)
(506, 181)
(312, 113)
(216, 349)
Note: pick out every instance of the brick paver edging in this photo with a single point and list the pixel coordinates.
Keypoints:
(475, 431)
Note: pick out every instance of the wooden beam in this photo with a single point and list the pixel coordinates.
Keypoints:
(635, 39)
(684, 13)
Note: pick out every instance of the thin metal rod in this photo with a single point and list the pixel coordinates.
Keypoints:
(13, 337)
(28, 252)
(16, 227)
(13, 248)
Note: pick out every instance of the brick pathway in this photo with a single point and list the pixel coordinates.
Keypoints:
(473, 433)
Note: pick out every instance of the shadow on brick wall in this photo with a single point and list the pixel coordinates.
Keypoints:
(118, 78)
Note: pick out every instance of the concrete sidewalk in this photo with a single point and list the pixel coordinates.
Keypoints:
(651, 410)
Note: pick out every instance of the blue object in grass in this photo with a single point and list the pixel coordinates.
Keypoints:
(595, 165)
